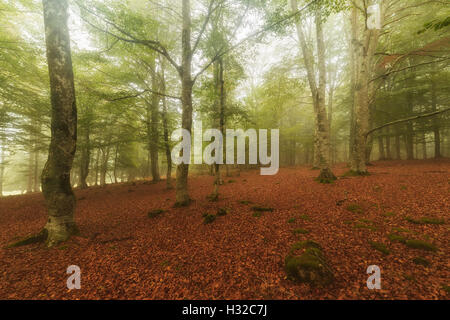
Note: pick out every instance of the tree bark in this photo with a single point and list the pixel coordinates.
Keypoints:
(437, 136)
(165, 121)
(56, 187)
(182, 194)
(322, 134)
(363, 51)
(85, 158)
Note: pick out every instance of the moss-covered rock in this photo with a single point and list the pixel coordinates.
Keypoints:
(420, 244)
(309, 265)
(262, 209)
(421, 261)
(394, 237)
(222, 212)
(380, 247)
(300, 231)
(209, 218)
(155, 213)
(355, 208)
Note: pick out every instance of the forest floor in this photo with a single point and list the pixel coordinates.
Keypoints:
(124, 254)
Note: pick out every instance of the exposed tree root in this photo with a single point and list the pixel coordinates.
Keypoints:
(326, 176)
(352, 173)
(35, 238)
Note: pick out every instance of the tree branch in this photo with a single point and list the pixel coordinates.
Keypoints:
(426, 115)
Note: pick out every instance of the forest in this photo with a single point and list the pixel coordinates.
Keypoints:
(224, 149)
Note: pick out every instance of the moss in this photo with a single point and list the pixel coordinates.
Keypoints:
(397, 229)
(257, 214)
(393, 237)
(155, 213)
(364, 226)
(231, 181)
(291, 220)
(309, 267)
(403, 187)
(301, 231)
(420, 244)
(209, 218)
(305, 244)
(389, 214)
(446, 288)
(431, 220)
(425, 220)
(244, 202)
(63, 247)
(262, 209)
(411, 220)
(305, 217)
(380, 247)
(366, 221)
(355, 208)
(348, 222)
(421, 261)
(222, 212)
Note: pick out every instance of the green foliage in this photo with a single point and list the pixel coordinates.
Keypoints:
(380, 247)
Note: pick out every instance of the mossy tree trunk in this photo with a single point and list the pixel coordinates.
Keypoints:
(59, 197)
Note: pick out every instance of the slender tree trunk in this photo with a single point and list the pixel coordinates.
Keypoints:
(154, 135)
(85, 158)
(30, 169)
(221, 117)
(381, 153)
(2, 165)
(397, 146)
(437, 136)
(97, 166)
(104, 165)
(388, 144)
(322, 134)
(182, 195)
(165, 121)
(36, 177)
(56, 188)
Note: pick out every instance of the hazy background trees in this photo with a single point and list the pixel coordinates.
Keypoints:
(129, 94)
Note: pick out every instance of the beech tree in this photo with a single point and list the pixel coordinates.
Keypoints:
(56, 187)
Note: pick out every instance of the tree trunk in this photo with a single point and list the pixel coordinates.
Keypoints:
(165, 121)
(85, 158)
(397, 146)
(322, 134)
(154, 136)
(56, 188)
(388, 144)
(182, 195)
(30, 169)
(221, 107)
(437, 136)
(2, 166)
(97, 166)
(104, 165)
(363, 51)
